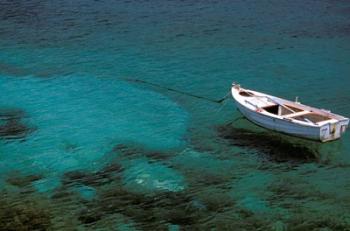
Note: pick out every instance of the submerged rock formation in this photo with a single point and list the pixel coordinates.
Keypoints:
(11, 125)
(18, 212)
(142, 176)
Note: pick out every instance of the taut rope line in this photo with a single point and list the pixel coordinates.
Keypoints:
(219, 101)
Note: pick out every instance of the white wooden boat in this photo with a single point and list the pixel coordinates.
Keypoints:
(288, 117)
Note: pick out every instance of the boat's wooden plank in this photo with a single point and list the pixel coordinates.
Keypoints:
(297, 114)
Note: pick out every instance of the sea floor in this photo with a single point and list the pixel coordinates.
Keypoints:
(82, 148)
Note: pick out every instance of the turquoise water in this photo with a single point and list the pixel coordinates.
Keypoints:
(81, 148)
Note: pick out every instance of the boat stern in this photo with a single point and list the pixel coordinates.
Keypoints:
(333, 130)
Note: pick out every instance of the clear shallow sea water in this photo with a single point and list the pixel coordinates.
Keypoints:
(83, 149)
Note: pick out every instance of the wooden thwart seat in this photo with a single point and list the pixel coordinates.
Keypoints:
(297, 114)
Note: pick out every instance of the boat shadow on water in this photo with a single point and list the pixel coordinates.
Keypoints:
(277, 147)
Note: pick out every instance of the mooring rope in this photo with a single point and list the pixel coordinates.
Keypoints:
(219, 101)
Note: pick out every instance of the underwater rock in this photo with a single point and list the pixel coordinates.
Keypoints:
(255, 181)
(149, 210)
(250, 192)
(61, 194)
(74, 177)
(298, 189)
(201, 168)
(135, 151)
(20, 213)
(11, 126)
(85, 192)
(47, 184)
(279, 226)
(114, 222)
(90, 216)
(19, 180)
(13, 129)
(234, 220)
(141, 176)
(111, 168)
(202, 162)
(215, 200)
(104, 176)
(317, 221)
(253, 204)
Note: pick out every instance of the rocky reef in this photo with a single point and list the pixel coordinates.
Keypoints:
(21, 212)
(11, 124)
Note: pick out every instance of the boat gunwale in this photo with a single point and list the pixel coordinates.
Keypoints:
(289, 117)
(286, 133)
(271, 115)
(292, 121)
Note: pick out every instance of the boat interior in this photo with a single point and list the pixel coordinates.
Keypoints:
(290, 111)
(296, 113)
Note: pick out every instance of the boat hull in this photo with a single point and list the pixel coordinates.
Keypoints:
(289, 117)
(279, 125)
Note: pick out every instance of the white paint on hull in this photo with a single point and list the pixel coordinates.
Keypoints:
(280, 125)
(254, 106)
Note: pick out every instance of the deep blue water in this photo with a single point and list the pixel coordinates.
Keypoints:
(82, 148)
